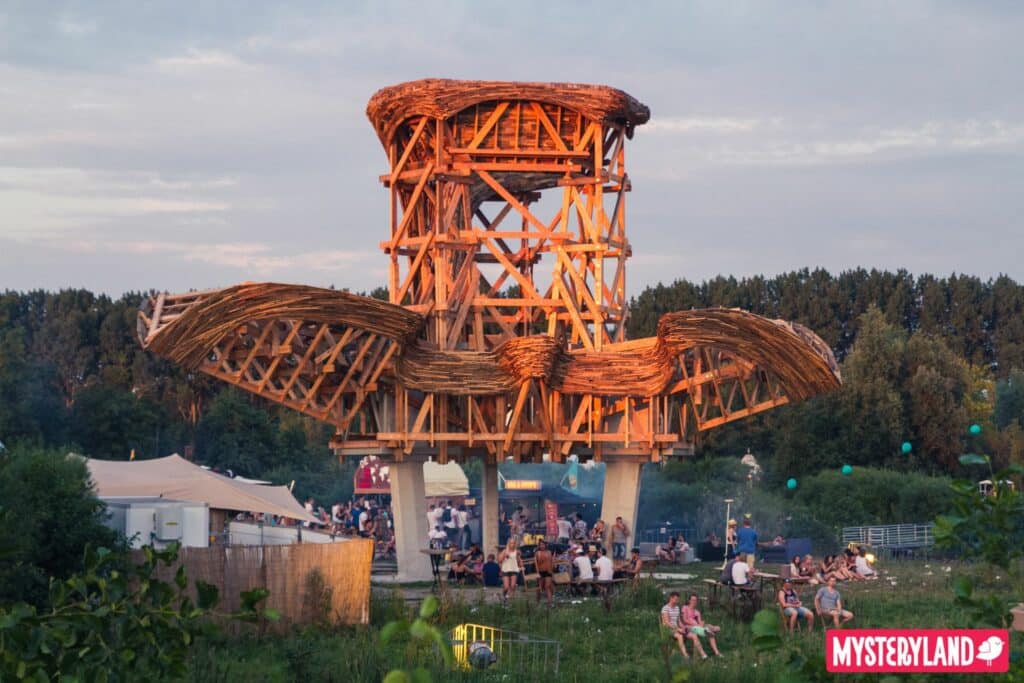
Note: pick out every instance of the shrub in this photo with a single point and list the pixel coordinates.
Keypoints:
(55, 516)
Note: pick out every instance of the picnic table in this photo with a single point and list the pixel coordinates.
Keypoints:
(744, 600)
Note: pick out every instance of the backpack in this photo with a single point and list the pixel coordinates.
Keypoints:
(446, 516)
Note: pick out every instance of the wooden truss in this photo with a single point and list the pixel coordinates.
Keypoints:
(462, 192)
(474, 263)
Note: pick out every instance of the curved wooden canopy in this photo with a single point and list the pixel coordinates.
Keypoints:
(440, 98)
(799, 359)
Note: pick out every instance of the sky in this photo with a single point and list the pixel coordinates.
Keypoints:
(179, 146)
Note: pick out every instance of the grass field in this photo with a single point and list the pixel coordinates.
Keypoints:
(623, 645)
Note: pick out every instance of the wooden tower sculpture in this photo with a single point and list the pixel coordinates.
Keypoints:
(504, 335)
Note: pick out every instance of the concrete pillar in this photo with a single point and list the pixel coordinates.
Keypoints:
(489, 509)
(621, 494)
(408, 505)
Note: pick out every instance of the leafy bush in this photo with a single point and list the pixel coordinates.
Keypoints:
(114, 622)
(57, 516)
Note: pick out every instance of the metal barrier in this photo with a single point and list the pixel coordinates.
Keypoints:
(522, 656)
(660, 534)
(891, 537)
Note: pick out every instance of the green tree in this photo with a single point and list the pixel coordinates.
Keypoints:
(57, 516)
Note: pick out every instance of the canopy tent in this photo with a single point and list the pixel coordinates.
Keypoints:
(438, 480)
(175, 478)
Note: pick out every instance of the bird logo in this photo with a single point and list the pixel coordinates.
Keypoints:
(990, 649)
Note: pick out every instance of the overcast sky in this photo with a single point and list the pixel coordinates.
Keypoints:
(178, 148)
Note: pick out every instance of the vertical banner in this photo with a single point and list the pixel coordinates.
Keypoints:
(551, 518)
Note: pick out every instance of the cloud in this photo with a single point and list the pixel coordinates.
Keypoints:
(702, 124)
(71, 26)
(258, 258)
(793, 143)
(195, 59)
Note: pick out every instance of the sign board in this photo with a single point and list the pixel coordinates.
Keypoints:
(551, 518)
(522, 484)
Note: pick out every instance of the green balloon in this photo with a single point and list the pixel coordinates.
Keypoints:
(847, 469)
(906, 447)
(975, 429)
(791, 484)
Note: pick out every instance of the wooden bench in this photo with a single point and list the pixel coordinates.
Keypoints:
(746, 599)
(604, 588)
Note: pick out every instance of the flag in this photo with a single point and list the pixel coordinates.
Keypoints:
(571, 479)
(132, 456)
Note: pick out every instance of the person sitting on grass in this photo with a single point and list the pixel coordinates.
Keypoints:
(860, 563)
(833, 566)
(829, 603)
(670, 619)
(850, 564)
(794, 567)
(697, 629)
(792, 608)
(466, 564)
(667, 551)
(491, 572)
(809, 570)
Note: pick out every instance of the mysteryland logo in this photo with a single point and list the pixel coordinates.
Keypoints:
(917, 651)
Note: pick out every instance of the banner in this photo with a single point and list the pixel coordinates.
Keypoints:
(571, 479)
(551, 518)
(917, 651)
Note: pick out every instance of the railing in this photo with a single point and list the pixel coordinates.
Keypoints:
(891, 536)
(525, 657)
(660, 534)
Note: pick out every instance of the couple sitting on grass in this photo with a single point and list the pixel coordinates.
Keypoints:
(687, 623)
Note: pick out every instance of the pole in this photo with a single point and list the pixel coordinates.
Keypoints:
(725, 539)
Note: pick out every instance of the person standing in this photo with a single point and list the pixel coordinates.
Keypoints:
(545, 563)
(564, 529)
(620, 537)
(746, 541)
(579, 528)
(511, 564)
(451, 526)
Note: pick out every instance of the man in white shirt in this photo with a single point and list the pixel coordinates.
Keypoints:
(432, 517)
(740, 572)
(582, 562)
(438, 538)
(603, 565)
(564, 529)
(364, 517)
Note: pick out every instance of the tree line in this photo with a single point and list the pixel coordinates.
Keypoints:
(922, 359)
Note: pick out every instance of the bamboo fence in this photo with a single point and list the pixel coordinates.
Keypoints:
(308, 582)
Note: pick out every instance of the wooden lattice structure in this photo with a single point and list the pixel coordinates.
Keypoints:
(505, 331)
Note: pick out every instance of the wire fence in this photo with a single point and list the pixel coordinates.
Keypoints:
(505, 653)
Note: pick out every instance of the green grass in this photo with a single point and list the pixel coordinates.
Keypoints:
(623, 645)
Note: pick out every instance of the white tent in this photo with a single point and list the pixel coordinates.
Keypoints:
(444, 480)
(175, 478)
